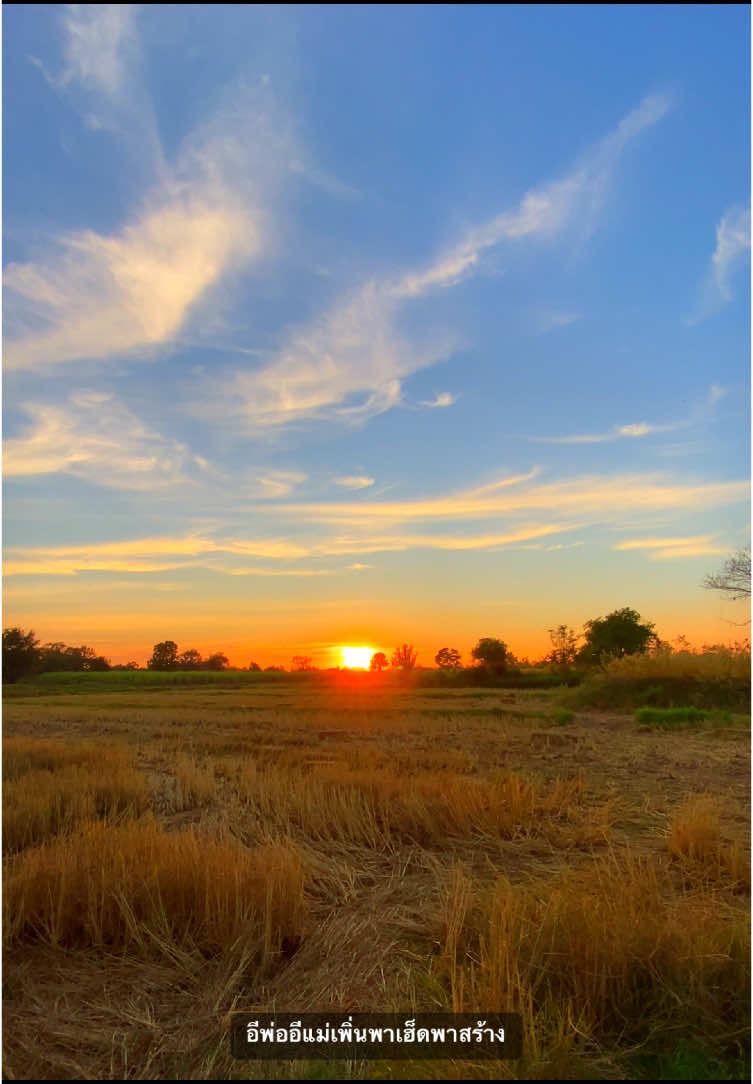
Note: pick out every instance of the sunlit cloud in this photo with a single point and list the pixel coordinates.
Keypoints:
(280, 483)
(350, 363)
(95, 437)
(275, 571)
(354, 481)
(662, 543)
(674, 552)
(162, 554)
(669, 548)
(589, 496)
(128, 292)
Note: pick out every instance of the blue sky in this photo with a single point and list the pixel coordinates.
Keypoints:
(361, 324)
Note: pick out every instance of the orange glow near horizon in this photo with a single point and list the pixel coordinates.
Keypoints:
(356, 658)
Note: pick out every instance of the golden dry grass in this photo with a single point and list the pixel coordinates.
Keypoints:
(696, 843)
(597, 956)
(310, 850)
(135, 887)
(713, 661)
(50, 789)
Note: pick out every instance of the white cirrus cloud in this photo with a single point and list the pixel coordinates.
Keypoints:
(95, 437)
(444, 399)
(350, 362)
(732, 244)
(206, 215)
(729, 256)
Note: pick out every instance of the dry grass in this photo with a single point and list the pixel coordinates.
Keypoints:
(696, 843)
(599, 957)
(357, 850)
(136, 887)
(50, 789)
(22, 755)
(384, 810)
(713, 661)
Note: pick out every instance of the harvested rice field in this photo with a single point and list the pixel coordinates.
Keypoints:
(176, 854)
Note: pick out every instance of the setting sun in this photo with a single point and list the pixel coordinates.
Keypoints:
(357, 658)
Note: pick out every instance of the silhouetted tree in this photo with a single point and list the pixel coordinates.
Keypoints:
(619, 633)
(217, 661)
(447, 658)
(20, 656)
(378, 662)
(254, 666)
(404, 657)
(734, 579)
(164, 656)
(564, 647)
(189, 660)
(59, 658)
(491, 653)
(302, 662)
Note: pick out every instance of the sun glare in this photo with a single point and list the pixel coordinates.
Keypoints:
(356, 658)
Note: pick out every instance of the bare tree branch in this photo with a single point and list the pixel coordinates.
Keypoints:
(734, 579)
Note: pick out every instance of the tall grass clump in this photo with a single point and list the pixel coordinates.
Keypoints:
(382, 809)
(136, 887)
(194, 784)
(67, 788)
(602, 957)
(696, 844)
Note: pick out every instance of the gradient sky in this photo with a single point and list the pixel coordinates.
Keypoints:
(358, 325)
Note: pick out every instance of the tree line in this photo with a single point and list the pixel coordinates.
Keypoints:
(622, 632)
(23, 655)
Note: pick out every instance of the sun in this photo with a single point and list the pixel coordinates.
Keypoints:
(356, 658)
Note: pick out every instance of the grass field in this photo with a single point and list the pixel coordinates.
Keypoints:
(176, 852)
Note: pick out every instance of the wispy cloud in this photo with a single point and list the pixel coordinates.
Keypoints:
(730, 254)
(520, 513)
(592, 496)
(279, 483)
(96, 296)
(354, 481)
(99, 43)
(732, 243)
(95, 437)
(350, 363)
(90, 295)
(555, 318)
(163, 554)
(662, 549)
(444, 399)
(545, 211)
(619, 432)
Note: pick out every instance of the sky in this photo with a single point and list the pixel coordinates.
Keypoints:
(372, 324)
